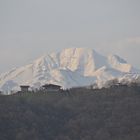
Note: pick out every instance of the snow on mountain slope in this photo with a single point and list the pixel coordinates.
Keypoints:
(118, 63)
(84, 61)
(69, 68)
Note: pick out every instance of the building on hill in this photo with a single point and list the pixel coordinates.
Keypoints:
(51, 87)
(24, 88)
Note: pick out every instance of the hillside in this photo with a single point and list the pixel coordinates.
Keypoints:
(77, 114)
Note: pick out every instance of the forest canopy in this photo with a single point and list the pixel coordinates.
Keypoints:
(78, 114)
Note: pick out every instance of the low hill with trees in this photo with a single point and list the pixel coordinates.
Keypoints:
(76, 114)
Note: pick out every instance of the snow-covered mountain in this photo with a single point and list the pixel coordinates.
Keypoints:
(69, 68)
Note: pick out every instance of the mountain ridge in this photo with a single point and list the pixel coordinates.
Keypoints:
(71, 67)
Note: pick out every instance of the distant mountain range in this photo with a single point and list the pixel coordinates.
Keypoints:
(71, 67)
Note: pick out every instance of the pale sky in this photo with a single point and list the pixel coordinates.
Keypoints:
(30, 28)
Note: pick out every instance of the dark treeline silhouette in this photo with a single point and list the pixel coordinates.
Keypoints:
(76, 114)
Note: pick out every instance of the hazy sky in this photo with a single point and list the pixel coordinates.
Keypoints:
(30, 28)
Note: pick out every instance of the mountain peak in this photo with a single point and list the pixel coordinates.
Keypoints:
(69, 68)
(116, 58)
(118, 63)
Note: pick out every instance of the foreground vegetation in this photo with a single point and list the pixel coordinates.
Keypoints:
(77, 114)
